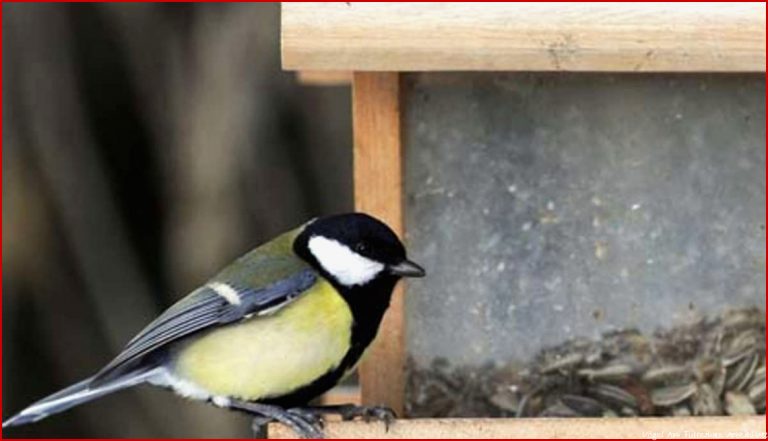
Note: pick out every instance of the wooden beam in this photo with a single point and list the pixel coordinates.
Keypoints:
(378, 191)
(588, 36)
(324, 78)
(542, 428)
(341, 395)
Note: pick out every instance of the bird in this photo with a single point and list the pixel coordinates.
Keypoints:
(270, 332)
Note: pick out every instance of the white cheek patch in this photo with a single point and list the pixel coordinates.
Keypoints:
(348, 267)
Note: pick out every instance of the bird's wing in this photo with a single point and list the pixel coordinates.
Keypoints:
(214, 304)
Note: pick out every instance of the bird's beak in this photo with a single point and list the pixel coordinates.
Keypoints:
(406, 268)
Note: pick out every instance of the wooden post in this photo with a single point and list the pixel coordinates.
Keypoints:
(378, 180)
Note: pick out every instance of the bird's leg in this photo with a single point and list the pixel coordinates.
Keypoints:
(304, 426)
(351, 411)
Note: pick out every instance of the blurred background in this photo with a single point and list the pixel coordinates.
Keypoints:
(145, 146)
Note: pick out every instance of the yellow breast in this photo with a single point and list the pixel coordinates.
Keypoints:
(273, 355)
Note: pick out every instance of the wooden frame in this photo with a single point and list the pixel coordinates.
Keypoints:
(634, 37)
(324, 77)
(547, 428)
(376, 41)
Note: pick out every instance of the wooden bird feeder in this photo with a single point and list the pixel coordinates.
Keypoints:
(555, 162)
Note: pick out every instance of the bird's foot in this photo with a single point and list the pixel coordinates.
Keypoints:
(307, 415)
(349, 412)
(306, 426)
(369, 413)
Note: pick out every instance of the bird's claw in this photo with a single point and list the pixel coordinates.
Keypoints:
(349, 412)
(369, 413)
(311, 417)
(306, 426)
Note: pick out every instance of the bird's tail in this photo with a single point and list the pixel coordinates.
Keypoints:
(75, 395)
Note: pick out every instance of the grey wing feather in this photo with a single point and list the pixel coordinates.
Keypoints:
(202, 309)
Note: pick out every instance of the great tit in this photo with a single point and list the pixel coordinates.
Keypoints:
(270, 332)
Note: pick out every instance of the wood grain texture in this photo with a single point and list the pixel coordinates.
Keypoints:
(543, 428)
(341, 395)
(378, 191)
(589, 36)
(324, 77)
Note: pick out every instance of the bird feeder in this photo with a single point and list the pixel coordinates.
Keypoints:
(585, 185)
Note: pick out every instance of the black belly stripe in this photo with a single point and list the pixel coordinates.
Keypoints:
(368, 304)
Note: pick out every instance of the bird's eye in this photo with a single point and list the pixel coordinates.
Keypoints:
(361, 247)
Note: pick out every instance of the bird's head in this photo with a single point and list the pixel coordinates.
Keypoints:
(354, 249)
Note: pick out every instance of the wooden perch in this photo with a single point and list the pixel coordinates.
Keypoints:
(688, 427)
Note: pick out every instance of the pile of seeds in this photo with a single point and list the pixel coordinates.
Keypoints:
(710, 367)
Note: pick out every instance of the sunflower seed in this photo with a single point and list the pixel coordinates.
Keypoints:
(613, 396)
(627, 411)
(559, 410)
(706, 402)
(506, 400)
(718, 380)
(564, 363)
(757, 392)
(745, 340)
(759, 374)
(740, 375)
(616, 372)
(706, 368)
(669, 396)
(681, 410)
(735, 357)
(665, 374)
(522, 408)
(744, 318)
(738, 404)
(584, 406)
